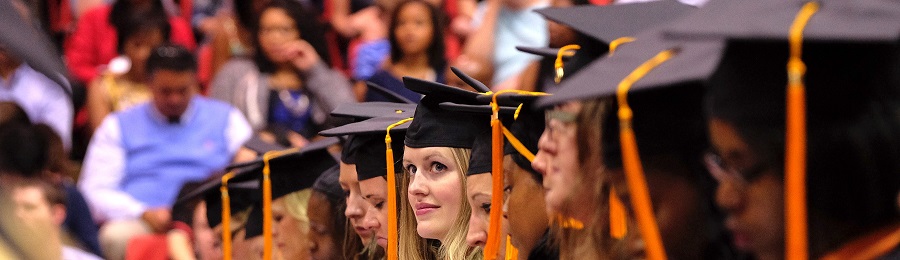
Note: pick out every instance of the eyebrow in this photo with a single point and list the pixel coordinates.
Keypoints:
(377, 196)
(481, 194)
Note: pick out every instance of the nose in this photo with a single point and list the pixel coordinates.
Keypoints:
(543, 155)
(354, 210)
(370, 222)
(728, 196)
(477, 233)
(417, 187)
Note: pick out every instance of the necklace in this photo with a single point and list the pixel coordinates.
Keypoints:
(297, 106)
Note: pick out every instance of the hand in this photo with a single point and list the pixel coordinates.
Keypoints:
(301, 54)
(159, 219)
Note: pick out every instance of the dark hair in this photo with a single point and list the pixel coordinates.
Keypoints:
(23, 150)
(436, 51)
(123, 12)
(138, 24)
(307, 25)
(171, 57)
(12, 113)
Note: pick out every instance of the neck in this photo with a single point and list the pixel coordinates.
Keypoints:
(409, 61)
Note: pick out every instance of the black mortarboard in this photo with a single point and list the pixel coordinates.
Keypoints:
(480, 160)
(436, 127)
(693, 62)
(366, 110)
(328, 183)
(610, 22)
(369, 144)
(24, 40)
(290, 172)
(242, 194)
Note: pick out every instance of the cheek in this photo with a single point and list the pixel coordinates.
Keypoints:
(447, 189)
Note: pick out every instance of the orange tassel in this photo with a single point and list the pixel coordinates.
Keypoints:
(796, 244)
(226, 216)
(634, 172)
(618, 218)
(393, 237)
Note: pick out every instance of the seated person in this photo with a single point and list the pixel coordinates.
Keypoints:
(139, 157)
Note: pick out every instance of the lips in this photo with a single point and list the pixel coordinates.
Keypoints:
(425, 208)
(363, 232)
(739, 237)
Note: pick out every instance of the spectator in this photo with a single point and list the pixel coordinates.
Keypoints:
(139, 157)
(417, 49)
(42, 100)
(505, 24)
(122, 87)
(288, 85)
(36, 202)
(93, 44)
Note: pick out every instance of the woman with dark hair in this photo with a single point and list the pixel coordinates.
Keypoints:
(417, 49)
(288, 85)
(121, 85)
(94, 42)
(326, 217)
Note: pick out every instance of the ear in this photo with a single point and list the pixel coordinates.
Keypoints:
(59, 213)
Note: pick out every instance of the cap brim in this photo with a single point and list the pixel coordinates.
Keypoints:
(610, 22)
(371, 126)
(366, 110)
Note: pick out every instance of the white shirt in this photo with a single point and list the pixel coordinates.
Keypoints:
(104, 165)
(43, 101)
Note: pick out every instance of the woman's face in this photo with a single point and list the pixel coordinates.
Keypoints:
(138, 47)
(435, 189)
(755, 207)
(290, 235)
(478, 192)
(525, 208)
(414, 28)
(557, 161)
(324, 245)
(374, 191)
(357, 208)
(276, 29)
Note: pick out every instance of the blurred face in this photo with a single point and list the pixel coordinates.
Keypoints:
(374, 190)
(414, 30)
(204, 236)
(138, 47)
(560, 35)
(32, 207)
(557, 161)
(478, 191)
(251, 249)
(525, 207)
(754, 205)
(172, 91)
(679, 214)
(290, 235)
(276, 29)
(321, 227)
(435, 189)
(357, 207)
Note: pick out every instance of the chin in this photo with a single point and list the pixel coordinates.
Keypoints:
(428, 232)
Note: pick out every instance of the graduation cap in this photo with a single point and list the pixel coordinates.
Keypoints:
(397, 95)
(828, 45)
(256, 220)
(433, 126)
(368, 142)
(619, 24)
(28, 43)
(366, 110)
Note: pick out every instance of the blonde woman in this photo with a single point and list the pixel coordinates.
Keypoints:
(435, 162)
(292, 225)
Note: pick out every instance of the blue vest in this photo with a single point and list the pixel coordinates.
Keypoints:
(160, 157)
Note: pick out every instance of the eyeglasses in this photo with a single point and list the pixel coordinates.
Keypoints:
(722, 172)
(557, 122)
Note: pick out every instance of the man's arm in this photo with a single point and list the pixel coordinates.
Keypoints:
(237, 132)
(101, 176)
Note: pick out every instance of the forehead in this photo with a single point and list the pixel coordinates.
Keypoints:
(169, 78)
(418, 154)
(274, 15)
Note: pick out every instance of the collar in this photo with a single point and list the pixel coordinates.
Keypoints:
(183, 119)
(870, 246)
(14, 77)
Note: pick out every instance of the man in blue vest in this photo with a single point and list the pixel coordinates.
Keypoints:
(139, 158)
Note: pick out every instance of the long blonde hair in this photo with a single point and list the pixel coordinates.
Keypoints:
(296, 204)
(454, 247)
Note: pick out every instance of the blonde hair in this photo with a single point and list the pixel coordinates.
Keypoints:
(296, 204)
(453, 246)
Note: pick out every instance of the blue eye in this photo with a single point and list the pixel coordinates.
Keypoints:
(410, 168)
(438, 167)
